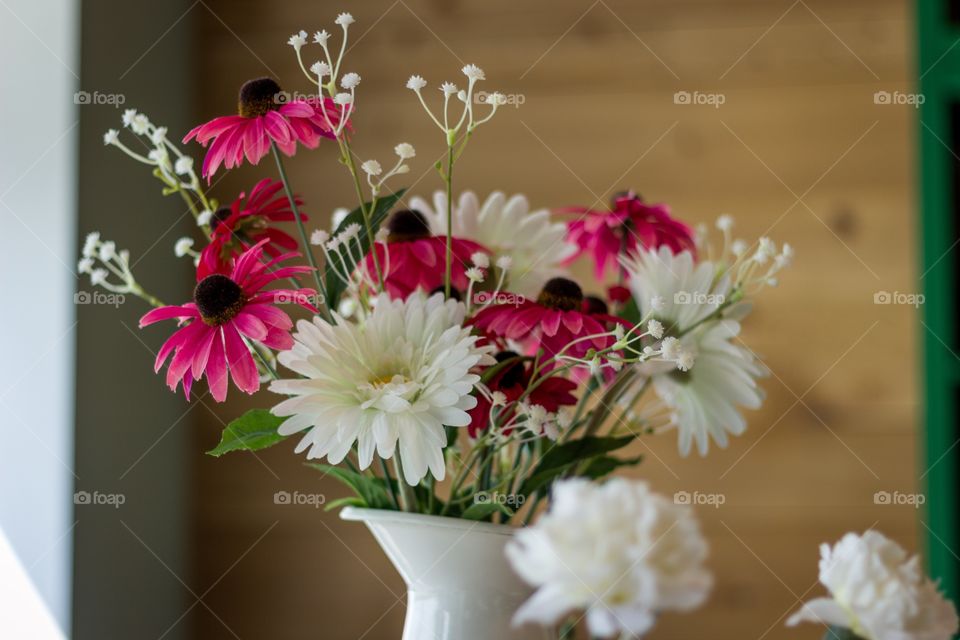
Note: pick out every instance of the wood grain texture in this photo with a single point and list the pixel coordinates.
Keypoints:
(799, 151)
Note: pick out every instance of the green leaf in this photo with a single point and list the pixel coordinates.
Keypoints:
(253, 431)
(349, 501)
(602, 466)
(562, 457)
(346, 264)
(630, 311)
(483, 510)
(369, 491)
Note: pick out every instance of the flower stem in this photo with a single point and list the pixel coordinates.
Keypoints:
(448, 178)
(389, 480)
(296, 216)
(347, 155)
(408, 499)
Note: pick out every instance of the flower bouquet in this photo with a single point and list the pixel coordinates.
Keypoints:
(447, 364)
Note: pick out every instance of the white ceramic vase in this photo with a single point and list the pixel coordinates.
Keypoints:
(459, 584)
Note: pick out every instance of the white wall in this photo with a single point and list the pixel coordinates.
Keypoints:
(38, 127)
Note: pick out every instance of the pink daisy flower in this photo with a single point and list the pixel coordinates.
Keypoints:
(631, 223)
(414, 259)
(264, 118)
(228, 307)
(247, 221)
(551, 323)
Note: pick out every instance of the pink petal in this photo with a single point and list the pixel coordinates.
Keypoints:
(243, 370)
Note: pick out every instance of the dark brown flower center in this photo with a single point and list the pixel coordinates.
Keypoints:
(454, 293)
(258, 97)
(593, 304)
(219, 299)
(406, 225)
(512, 375)
(561, 294)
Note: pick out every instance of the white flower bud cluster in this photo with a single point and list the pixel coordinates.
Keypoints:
(468, 121)
(374, 171)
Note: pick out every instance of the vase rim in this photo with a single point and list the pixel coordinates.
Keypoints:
(360, 514)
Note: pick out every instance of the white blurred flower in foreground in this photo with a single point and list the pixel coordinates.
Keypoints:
(396, 379)
(534, 243)
(618, 551)
(878, 593)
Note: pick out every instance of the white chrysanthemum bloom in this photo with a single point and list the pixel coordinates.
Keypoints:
(722, 377)
(616, 550)
(533, 242)
(398, 378)
(685, 287)
(878, 593)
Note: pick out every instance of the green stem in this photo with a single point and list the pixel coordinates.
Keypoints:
(296, 216)
(448, 178)
(347, 154)
(408, 499)
(389, 480)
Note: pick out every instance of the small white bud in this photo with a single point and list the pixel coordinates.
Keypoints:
(474, 72)
(342, 99)
(738, 247)
(350, 80)
(504, 263)
(298, 40)
(90, 244)
(371, 168)
(344, 20)
(416, 83)
(474, 275)
(448, 88)
(321, 37)
(405, 151)
(725, 223)
(339, 215)
(481, 260)
(319, 238)
(158, 136)
(498, 399)
(98, 276)
(657, 303)
(183, 166)
(321, 69)
(128, 116)
(670, 348)
(108, 251)
(685, 360)
(140, 124)
(655, 329)
(204, 218)
(111, 136)
(85, 265)
(183, 247)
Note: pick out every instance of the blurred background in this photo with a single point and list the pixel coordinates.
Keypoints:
(784, 114)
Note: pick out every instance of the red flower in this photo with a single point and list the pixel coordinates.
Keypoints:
(245, 223)
(413, 258)
(228, 307)
(551, 323)
(264, 117)
(631, 223)
(512, 381)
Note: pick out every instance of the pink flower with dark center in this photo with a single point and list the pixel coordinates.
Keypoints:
(264, 117)
(551, 323)
(247, 221)
(414, 259)
(228, 309)
(631, 223)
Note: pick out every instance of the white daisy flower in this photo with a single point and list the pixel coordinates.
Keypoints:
(878, 593)
(534, 244)
(618, 551)
(397, 379)
(722, 376)
(685, 289)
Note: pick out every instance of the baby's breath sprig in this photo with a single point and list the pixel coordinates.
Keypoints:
(100, 259)
(170, 165)
(456, 134)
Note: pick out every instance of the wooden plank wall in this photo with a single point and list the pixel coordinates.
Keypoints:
(798, 150)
